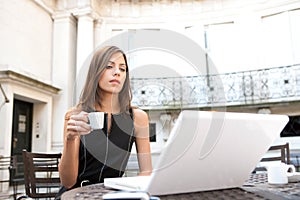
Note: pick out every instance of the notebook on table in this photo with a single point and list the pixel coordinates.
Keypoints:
(207, 151)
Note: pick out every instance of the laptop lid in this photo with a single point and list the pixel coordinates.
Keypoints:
(212, 150)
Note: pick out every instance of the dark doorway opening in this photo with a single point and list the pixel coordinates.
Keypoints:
(21, 132)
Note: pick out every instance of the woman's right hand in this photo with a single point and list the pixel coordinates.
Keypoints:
(77, 125)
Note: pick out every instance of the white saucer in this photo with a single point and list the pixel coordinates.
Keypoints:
(294, 178)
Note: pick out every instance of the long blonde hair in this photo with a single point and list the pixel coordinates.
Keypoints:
(91, 91)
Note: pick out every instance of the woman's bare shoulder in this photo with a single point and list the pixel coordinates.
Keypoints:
(140, 116)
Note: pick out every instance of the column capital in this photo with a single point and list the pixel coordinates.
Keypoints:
(85, 12)
(63, 15)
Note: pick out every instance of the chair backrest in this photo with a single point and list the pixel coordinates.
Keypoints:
(277, 153)
(284, 154)
(41, 174)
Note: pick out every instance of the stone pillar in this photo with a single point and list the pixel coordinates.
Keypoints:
(63, 71)
(85, 39)
(100, 35)
(85, 46)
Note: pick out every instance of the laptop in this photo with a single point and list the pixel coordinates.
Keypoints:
(207, 151)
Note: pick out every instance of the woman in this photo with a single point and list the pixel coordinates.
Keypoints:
(89, 155)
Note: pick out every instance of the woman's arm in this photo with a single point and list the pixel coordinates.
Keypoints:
(141, 124)
(75, 124)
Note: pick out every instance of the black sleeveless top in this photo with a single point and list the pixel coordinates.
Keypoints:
(105, 155)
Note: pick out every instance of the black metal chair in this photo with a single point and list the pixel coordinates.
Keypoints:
(41, 174)
(284, 155)
(278, 153)
(5, 163)
(9, 165)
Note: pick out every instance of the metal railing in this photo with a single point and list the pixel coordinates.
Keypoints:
(273, 85)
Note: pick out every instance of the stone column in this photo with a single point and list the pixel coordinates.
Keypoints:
(85, 46)
(63, 71)
(85, 38)
(100, 34)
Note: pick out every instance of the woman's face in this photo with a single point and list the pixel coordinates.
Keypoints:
(113, 77)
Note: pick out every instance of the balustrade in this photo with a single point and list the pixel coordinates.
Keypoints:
(273, 85)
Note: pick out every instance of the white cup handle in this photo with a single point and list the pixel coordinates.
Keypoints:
(290, 170)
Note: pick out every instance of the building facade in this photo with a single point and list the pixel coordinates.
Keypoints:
(46, 44)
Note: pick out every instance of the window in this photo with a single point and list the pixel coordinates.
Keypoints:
(221, 44)
(281, 38)
(152, 131)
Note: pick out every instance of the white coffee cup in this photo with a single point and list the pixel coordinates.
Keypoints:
(96, 120)
(278, 173)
